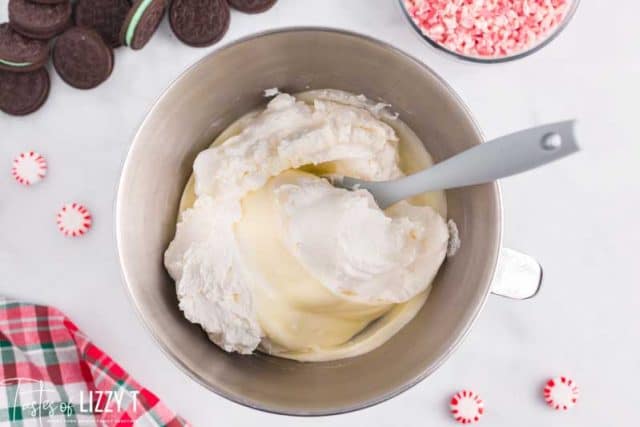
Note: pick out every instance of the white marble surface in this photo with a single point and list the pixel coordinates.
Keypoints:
(578, 217)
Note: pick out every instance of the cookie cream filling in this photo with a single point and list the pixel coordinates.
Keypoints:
(15, 64)
(269, 255)
(135, 20)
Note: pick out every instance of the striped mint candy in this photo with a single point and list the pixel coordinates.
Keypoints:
(466, 407)
(561, 393)
(29, 168)
(73, 220)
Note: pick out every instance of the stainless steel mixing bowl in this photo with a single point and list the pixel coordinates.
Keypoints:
(224, 86)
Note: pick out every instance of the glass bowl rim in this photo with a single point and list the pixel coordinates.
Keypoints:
(492, 60)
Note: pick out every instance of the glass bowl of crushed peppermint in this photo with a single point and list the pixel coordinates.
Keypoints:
(489, 31)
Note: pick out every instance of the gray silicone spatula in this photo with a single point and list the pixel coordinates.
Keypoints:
(505, 156)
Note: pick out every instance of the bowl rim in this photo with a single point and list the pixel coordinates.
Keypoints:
(117, 232)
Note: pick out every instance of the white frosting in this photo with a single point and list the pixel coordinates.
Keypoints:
(345, 250)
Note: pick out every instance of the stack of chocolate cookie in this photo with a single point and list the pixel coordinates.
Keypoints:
(81, 38)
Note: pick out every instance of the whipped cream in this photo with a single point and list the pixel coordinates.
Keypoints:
(290, 134)
(271, 255)
(355, 249)
(211, 289)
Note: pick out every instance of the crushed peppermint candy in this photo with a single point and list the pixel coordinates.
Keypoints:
(487, 29)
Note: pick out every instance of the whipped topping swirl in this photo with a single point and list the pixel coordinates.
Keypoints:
(349, 260)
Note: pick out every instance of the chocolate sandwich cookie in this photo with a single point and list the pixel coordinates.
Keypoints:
(19, 53)
(39, 21)
(82, 58)
(104, 16)
(49, 1)
(23, 93)
(141, 23)
(199, 23)
(252, 6)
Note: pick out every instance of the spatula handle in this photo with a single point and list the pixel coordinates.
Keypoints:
(505, 156)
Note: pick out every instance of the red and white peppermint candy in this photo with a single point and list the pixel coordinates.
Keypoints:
(561, 393)
(29, 168)
(466, 407)
(488, 29)
(74, 220)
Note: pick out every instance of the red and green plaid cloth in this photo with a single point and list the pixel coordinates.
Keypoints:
(52, 375)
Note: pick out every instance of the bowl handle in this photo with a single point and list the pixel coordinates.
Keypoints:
(518, 276)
